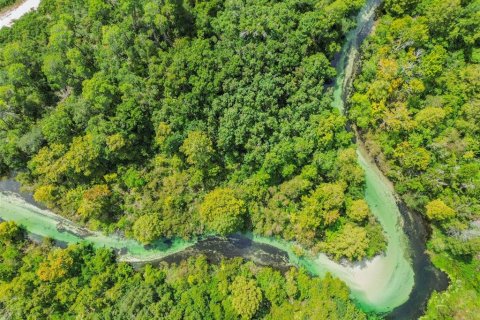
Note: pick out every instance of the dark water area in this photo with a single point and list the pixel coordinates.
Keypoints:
(214, 248)
(217, 248)
(427, 277)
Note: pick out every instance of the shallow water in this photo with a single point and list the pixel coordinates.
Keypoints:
(380, 285)
(22, 209)
(386, 281)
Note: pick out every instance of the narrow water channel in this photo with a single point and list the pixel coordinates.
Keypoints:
(397, 283)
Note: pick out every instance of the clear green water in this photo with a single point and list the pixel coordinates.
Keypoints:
(378, 285)
(385, 282)
(44, 223)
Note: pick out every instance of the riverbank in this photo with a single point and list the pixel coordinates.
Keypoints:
(427, 278)
(13, 12)
(379, 285)
(375, 285)
(6, 6)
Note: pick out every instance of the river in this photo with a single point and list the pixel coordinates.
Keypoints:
(397, 283)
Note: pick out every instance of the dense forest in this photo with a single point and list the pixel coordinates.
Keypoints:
(416, 104)
(180, 118)
(79, 282)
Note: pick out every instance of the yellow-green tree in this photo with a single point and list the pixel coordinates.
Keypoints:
(56, 266)
(430, 116)
(358, 210)
(222, 212)
(325, 202)
(246, 297)
(438, 210)
(198, 149)
(350, 242)
(45, 194)
(95, 202)
(146, 228)
(9, 231)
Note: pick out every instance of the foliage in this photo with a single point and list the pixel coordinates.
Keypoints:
(358, 210)
(221, 211)
(246, 297)
(145, 228)
(10, 231)
(438, 210)
(461, 298)
(6, 3)
(38, 281)
(134, 115)
(416, 105)
(350, 242)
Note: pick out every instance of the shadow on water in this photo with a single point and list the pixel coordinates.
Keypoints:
(213, 247)
(427, 277)
(217, 248)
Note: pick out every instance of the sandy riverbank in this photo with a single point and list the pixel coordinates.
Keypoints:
(11, 14)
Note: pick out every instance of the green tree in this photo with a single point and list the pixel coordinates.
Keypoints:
(147, 228)
(246, 297)
(56, 267)
(45, 194)
(10, 231)
(198, 149)
(358, 210)
(350, 242)
(430, 116)
(222, 212)
(96, 202)
(273, 285)
(325, 202)
(437, 210)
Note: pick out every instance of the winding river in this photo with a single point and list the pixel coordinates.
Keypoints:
(397, 283)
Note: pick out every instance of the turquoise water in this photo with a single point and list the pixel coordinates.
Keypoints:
(386, 281)
(44, 223)
(377, 285)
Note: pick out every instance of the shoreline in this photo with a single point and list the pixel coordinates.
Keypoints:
(11, 7)
(378, 284)
(11, 13)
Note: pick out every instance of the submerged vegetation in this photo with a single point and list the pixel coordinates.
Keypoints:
(180, 118)
(40, 282)
(417, 106)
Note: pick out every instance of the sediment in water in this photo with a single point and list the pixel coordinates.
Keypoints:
(381, 285)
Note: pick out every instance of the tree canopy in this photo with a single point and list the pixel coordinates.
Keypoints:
(175, 118)
(38, 281)
(416, 105)
(221, 211)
